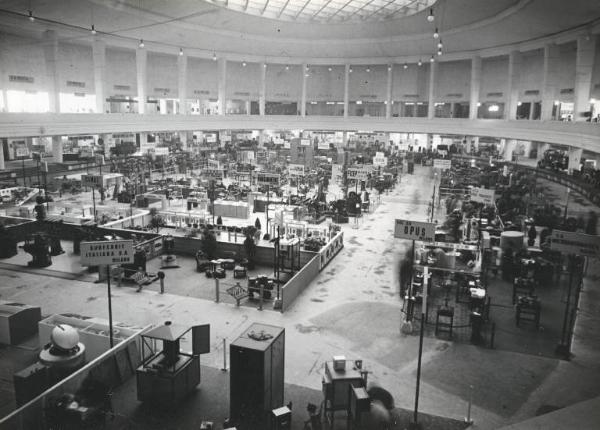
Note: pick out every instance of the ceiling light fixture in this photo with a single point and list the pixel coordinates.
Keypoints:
(243, 64)
(31, 17)
(420, 63)
(330, 69)
(405, 66)
(265, 65)
(214, 56)
(141, 45)
(350, 71)
(431, 60)
(368, 70)
(440, 45)
(287, 67)
(93, 30)
(436, 34)
(181, 52)
(389, 68)
(439, 51)
(430, 17)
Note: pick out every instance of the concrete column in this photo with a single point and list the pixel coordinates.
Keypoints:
(531, 110)
(431, 97)
(183, 137)
(475, 142)
(182, 62)
(346, 89)
(222, 85)
(586, 49)
(263, 90)
(141, 61)
(514, 70)
(99, 58)
(143, 143)
(303, 100)
(2, 166)
(344, 139)
(509, 147)
(388, 106)
(52, 78)
(549, 82)
(57, 149)
(574, 158)
(475, 86)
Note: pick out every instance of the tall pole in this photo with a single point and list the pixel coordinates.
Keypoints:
(563, 347)
(566, 205)
(423, 310)
(267, 209)
(110, 319)
(23, 166)
(94, 202)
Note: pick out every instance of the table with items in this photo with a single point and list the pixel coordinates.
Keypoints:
(338, 378)
(529, 309)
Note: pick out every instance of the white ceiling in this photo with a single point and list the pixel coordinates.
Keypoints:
(201, 27)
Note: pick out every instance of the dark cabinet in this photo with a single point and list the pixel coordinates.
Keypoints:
(257, 375)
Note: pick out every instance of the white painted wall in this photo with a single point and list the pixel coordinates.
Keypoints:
(242, 79)
(454, 77)
(161, 74)
(494, 78)
(75, 64)
(282, 84)
(323, 85)
(120, 70)
(368, 86)
(202, 76)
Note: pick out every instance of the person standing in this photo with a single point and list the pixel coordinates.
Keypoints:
(139, 277)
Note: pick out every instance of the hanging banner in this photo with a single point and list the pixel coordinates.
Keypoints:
(414, 230)
(482, 195)
(296, 169)
(442, 164)
(575, 243)
(323, 145)
(106, 252)
(360, 173)
(305, 142)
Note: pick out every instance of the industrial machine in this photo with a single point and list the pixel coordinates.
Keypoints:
(169, 374)
(63, 355)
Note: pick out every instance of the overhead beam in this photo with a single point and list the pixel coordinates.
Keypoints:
(359, 9)
(262, 12)
(303, 7)
(322, 7)
(339, 10)
(283, 8)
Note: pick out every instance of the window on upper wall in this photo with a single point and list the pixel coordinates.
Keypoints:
(27, 101)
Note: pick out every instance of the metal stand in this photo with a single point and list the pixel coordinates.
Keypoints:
(110, 319)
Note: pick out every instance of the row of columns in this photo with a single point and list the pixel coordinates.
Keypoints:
(586, 46)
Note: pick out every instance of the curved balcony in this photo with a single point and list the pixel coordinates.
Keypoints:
(576, 134)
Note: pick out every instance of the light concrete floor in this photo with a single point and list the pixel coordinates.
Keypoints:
(353, 308)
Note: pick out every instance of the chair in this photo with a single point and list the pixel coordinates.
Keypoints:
(444, 320)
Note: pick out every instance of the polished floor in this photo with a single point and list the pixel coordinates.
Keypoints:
(353, 308)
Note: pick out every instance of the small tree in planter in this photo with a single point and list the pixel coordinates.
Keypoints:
(257, 224)
(250, 246)
(156, 221)
(219, 220)
(209, 244)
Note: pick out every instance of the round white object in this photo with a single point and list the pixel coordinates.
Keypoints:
(64, 337)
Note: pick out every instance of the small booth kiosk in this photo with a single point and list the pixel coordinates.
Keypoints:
(168, 375)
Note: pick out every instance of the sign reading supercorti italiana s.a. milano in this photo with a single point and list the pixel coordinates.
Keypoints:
(106, 252)
(575, 243)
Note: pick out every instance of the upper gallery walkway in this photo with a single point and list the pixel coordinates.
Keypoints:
(576, 134)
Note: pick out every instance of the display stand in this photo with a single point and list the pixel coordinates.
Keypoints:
(336, 388)
(167, 376)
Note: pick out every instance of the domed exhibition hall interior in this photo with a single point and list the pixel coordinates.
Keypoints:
(299, 214)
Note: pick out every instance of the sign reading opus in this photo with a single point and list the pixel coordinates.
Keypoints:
(106, 252)
(414, 230)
